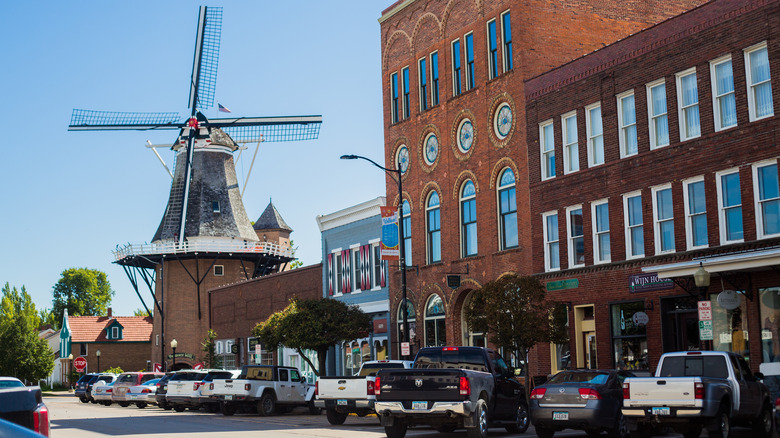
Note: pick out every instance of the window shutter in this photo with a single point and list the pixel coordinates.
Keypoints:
(330, 274)
(345, 271)
(383, 273)
(363, 257)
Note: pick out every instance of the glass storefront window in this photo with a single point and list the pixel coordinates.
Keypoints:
(769, 299)
(629, 336)
(730, 327)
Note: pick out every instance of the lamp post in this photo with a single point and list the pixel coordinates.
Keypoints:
(174, 344)
(702, 279)
(402, 247)
(70, 369)
(97, 353)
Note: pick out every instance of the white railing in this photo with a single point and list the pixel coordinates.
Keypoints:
(204, 246)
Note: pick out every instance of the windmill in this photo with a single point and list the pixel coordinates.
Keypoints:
(204, 218)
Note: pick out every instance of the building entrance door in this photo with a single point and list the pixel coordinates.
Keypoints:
(590, 350)
(680, 324)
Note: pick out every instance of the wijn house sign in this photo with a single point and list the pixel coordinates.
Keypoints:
(649, 282)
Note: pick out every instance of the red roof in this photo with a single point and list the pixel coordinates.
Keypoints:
(93, 328)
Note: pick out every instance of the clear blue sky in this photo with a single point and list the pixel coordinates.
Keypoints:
(68, 198)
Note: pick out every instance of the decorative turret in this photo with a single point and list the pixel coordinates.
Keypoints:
(270, 227)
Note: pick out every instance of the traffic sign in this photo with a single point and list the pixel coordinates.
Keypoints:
(705, 330)
(405, 349)
(705, 310)
(80, 363)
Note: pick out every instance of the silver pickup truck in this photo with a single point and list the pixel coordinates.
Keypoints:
(693, 390)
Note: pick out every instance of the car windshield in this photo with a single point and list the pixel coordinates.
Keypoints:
(453, 357)
(187, 376)
(217, 375)
(10, 383)
(126, 378)
(370, 369)
(704, 366)
(595, 377)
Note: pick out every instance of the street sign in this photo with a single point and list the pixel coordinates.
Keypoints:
(705, 310)
(705, 330)
(157, 367)
(405, 349)
(80, 363)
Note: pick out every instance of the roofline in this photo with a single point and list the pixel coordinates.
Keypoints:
(357, 212)
(317, 266)
(394, 9)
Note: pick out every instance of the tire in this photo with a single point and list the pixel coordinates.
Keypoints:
(397, 430)
(763, 424)
(93, 401)
(227, 409)
(522, 421)
(337, 418)
(141, 405)
(313, 410)
(179, 408)
(620, 430)
(123, 404)
(543, 432)
(167, 407)
(721, 425)
(266, 405)
(83, 400)
(106, 403)
(480, 421)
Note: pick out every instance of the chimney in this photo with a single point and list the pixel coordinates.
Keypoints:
(109, 313)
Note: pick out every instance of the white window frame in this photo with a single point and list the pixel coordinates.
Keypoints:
(760, 232)
(716, 98)
(688, 216)
(722, 222)
(376, 280)
(657, 240)
(114, 332)
(589, 133)
(337, 283)
(622, 128)
(355, 276)
(681, 118)
(568, 143)
(547, 243)
(749, 80)
(597, 256)
(543, 152)
(627, 226)
(651, 120)
(570, 238)
(219, 270)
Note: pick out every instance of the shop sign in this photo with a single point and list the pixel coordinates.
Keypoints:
(572, 283)
(649, 282)
(641, 318)
(729, 299)
(705, 330)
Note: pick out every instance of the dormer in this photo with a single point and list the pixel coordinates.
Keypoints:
(114, 331)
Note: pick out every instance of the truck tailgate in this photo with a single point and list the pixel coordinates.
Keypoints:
(661, 391)
(342, 388)
(230, 387)
(420, 384)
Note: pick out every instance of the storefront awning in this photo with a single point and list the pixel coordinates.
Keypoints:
(749, 260)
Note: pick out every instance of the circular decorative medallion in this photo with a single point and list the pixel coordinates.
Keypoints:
(402, 159)
(503, 120)
(465, 135)
(431, 149)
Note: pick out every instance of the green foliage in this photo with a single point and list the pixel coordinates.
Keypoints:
(208, 346)
(25, 356)
(143, 312)
(295, 264)
(84, 292)
(114, 370)
(313, 324)
(48, 318)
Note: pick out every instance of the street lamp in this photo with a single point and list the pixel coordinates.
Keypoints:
(174, 344)
(401, 248)
(70, 369)
(702, 279)
(97, 353)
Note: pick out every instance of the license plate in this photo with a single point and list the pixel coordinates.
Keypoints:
(419, 405)
(560, 415)
(661, 411)
(228, 397)
(341, 402)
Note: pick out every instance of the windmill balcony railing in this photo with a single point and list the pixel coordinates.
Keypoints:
(229, 247)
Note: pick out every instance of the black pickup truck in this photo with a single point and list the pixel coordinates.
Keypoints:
(24, 406)
(450, 388)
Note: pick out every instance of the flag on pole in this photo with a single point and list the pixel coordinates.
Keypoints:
(223, 109)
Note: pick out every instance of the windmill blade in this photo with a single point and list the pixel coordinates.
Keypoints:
(206, 60)
(271, 129)
(88, 120)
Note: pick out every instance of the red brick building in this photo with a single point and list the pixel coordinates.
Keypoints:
(454, 117)
(647, 160)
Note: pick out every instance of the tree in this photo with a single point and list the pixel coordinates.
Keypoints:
(25, 355)
(313, 324)
(84, 292)
(516, 314)
(143, 312)
(295, 264)
(210, 348)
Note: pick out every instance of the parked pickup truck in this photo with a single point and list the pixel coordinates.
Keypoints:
(692, 390)
(23, 406)
(263, 389)
(450, 388)
(343, 395)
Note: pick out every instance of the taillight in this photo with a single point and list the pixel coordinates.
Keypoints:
(464, 386)
(247, 386)
(211, 386)
(698, 391)
(626, 391)
(317, 388)
(110, 390)
(538, 393)
(377, 386)
(370, 388)
(589, 394)
(449, 349)
(195, 386)
(146, 391)
(41, 420)
(777, 403)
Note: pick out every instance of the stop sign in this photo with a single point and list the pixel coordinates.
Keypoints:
(80, 363)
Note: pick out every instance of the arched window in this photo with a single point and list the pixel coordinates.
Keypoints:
(507, 210)
(435, 333)
(468, 219)
(410, 318)
(433, 214)
(406, 212)
(471, 338)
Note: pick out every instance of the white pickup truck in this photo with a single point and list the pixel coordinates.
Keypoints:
(264, 389)
(342, 395)
(692, 390)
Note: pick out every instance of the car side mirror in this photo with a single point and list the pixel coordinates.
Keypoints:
(759, 375)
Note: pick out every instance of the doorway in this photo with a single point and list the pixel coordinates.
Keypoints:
(680, 324)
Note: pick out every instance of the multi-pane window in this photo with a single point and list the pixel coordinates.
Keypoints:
(730, 206)
(423, 81)
(405, 74)
(434, 78)
(664, 219)
(552, 260)
(571, 151)
(627, 124)
(767, 196)
(601, 246)
(406, 214)
(507, 205)
(688, 105)
(635, 238)
(468, 211)
(547, 142)
(656, 111)
(435, 322)
(457, 70)
(724, 105)
(506, 33)
(576, 236)
(595, 134)
(492, 49)
(356, 267)
(394, 100)
(433, 213)
(759, 82)
(469, 40)
(695, 213)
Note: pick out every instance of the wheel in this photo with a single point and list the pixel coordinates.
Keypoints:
(397, 430)
(480, 428)
(621, 427)
(167, 407)
(93, 401)
(106, 403)
(543, 432)
(178, 408)
(521, 420)
(721, 426)
(83, 400)
(265, 406)
(762, 425)
(141, 405)
(123, 404)
(227, 409)
(313, 410)
(336, 418)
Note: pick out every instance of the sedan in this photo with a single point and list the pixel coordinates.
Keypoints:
(143, 394)
(588, 400)
(102, 393)
(10, 382)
